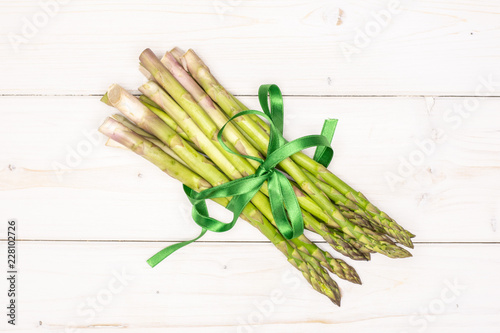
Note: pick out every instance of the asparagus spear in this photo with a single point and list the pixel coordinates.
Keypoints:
(316, 275)
(203, 76)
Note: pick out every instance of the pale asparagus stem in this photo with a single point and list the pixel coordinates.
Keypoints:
(124, 121)
(134, 110)
(113, 144)
(231, 133)
(201, 73)
(145, 72)
(162, 115)
(177, 54)
(169, 121)
(146, 149)
(209, 146)
(166, 118)
(147, 100)
(133, 141)
(233, 166)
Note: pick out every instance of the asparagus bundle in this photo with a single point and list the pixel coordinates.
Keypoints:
(175, 124)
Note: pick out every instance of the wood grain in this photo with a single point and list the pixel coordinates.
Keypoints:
(413, 136)
(218, 287)
(426, 48)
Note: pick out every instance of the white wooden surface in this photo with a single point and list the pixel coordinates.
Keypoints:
(108, 210)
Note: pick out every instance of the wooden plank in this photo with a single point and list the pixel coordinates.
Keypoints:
(73, 286)
(416, 48)
(451, 195)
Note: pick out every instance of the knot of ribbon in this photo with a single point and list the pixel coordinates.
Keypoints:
(284, 204)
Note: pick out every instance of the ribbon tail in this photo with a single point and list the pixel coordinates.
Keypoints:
(283, 200)
(160, 256)
(324, 155)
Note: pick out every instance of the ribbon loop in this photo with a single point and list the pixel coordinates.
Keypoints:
(285, 207)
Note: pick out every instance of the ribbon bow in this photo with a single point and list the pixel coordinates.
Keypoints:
(284, 205)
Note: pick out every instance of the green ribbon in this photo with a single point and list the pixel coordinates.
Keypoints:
(284, 204)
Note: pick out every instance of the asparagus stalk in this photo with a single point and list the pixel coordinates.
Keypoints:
(203, 76)
(177, 54)
(313, 272)
(146, 100)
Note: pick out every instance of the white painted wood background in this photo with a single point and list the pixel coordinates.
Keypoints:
(110, 210)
